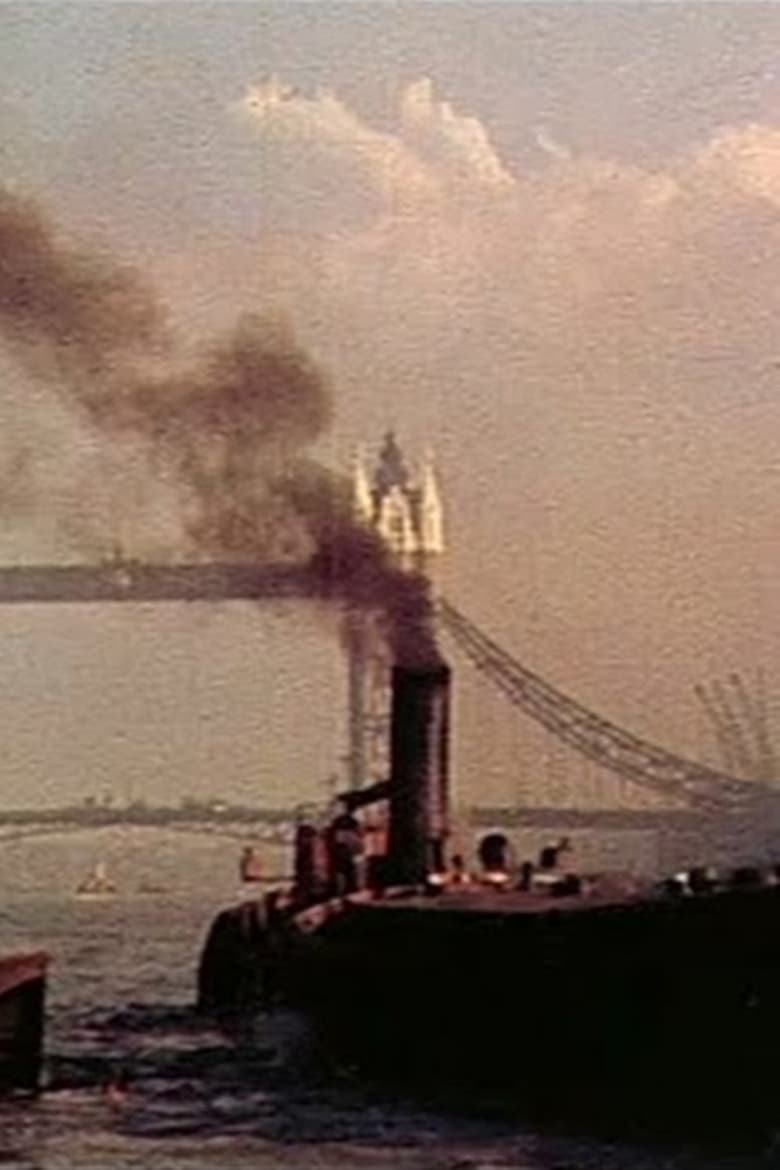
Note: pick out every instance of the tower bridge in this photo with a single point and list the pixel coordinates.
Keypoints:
(406, 509)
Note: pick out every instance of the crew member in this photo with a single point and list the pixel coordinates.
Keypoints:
(310, 864)
(459, 875)
(345, 848)
(550, 856)
(526, 876)
(375, 851)
(494, 857)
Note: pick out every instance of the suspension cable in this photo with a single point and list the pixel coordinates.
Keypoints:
(594, 736)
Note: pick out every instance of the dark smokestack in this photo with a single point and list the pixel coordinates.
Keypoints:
(419, 777)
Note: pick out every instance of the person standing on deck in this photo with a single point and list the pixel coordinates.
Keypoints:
(550, 856)
(344, 838)
(311, 865)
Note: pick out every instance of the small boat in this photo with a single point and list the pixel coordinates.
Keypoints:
(22, 991)
(97, 885)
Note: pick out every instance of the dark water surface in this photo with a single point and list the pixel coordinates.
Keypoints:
(119, 1007)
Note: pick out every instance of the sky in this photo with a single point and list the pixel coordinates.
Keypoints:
(541, 239)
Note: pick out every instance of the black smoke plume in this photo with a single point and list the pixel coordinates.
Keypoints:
(231, 429)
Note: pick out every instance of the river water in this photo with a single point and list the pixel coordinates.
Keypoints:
(119, 1010)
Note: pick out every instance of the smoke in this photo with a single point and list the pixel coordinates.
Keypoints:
(82, 308)
(230, 429)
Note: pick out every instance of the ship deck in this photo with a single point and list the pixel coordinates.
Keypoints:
(508, 902)
(476, 901)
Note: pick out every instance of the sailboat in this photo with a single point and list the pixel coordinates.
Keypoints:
(97, 884)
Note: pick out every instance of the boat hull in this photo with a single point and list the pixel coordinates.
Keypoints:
(22, 996)
(650, 1017)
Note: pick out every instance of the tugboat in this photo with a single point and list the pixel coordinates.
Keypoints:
(652, 1013)
(97, 884)
(22, 993)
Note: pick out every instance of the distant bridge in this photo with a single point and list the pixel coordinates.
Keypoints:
(277, 826)
(236, 824)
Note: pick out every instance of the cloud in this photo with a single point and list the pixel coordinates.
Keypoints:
(457, 144)
(320, 134)
(590, 286)
(550, 145)
(746, 156)
(435, 154)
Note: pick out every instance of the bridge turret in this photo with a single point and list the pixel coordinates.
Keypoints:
(362, 499)
(391, 469)
(405, 509)
(395, 522)
(431, 511)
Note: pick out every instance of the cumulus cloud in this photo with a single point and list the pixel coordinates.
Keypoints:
(322, 131)
(748, 157)
(592, 287)
(550, 145)
(456, 143)
(580, 269)
(435, 152)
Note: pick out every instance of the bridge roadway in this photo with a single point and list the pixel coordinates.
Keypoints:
(131, 581)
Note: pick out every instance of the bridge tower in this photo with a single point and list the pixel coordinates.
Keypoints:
(404, 506)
